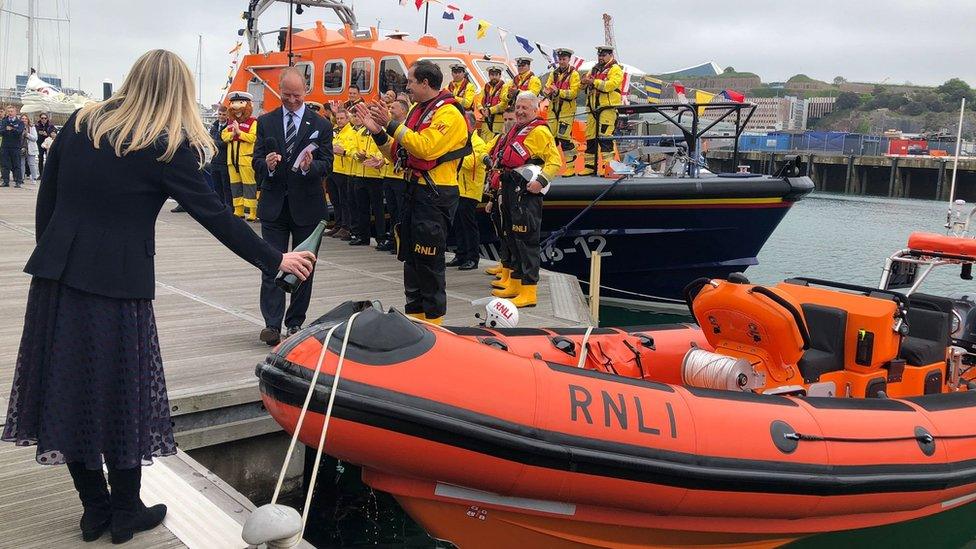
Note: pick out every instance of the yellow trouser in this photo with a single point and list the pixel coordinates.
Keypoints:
(243, 188)
(596, 142)
(562, 128)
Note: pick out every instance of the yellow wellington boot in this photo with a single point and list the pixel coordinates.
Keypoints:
(494, 270)
(503, 280)
(526, 296)
(239, 207)
(418, 316)
(435, 321)
(510, 291)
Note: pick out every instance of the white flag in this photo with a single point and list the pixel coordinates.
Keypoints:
(502, 35)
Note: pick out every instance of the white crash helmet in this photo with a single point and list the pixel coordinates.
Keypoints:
(501, 313)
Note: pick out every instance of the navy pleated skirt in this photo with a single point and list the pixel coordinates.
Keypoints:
(89, 385)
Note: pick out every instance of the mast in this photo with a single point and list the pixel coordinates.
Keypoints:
(30, 37)
(200, 69)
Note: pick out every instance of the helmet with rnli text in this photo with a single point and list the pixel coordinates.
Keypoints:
(501, 313)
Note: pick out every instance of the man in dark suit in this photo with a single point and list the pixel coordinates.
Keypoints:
(292, 202)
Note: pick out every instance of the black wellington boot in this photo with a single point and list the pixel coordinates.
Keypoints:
(93, 493)
(129, 514)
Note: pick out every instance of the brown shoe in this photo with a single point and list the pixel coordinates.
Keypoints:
(344, 234)
(333, 230)
(270, 336)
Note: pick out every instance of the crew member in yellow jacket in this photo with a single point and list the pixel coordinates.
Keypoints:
(492, 101)
(471, 184)
(394, 186)
(461, 86)
(433, 139)
(561, 89)
(528, 142)
(525, 80)
(240, 134)
(369, 192)
(340, 173)
(343, 149)
(602, 87)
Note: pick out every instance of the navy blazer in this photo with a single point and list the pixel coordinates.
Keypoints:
(306, 199)
(96, 215)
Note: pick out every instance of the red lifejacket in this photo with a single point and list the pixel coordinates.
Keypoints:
(560, 80)
(604, 71)
(522, 84)
(493, 95)
(509, 151)
(419, 119)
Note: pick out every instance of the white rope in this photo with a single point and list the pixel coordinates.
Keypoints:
(325, 423)
(635, 294)
(583, 347)
(301, 415)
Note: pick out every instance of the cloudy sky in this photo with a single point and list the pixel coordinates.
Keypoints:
(921, 41)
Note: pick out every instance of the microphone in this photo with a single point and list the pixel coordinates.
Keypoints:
(271, 145)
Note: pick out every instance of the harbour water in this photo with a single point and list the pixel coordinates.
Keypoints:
(833, 237)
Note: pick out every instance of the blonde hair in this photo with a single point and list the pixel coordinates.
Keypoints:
(155, 101)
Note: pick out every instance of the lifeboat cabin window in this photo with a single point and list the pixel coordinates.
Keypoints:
(483, 66)
(308, 72)
(393, 75)
(361, 74)
(445, 66)
(333, 76)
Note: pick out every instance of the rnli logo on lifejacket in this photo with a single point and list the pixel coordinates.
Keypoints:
(617, 410)
(519, 149)
(424, 250)
(520, 228)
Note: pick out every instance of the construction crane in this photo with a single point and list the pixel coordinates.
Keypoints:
(608, 31)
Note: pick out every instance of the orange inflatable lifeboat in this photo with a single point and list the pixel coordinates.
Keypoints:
(794, 410)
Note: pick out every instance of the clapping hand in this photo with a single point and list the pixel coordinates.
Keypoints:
(338, 149)
(367, 117)
(374, 162)
(380, 113)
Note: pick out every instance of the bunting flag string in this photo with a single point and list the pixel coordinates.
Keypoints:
(449, 11)
(460, 34)
(502, 35)
(482, 28)
(236, 52)
(524, 43)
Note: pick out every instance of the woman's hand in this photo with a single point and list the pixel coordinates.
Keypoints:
(299, 264)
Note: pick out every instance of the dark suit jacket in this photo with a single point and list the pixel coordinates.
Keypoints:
(306, 200)
(96, 216)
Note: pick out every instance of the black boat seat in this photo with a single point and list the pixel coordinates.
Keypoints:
(928, 336)
(827, 326)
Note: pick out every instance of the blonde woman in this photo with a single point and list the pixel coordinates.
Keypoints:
(89, 387)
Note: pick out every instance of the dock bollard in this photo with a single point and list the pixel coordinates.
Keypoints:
(278, 526)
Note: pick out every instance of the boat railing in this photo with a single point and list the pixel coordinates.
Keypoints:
(693, 120)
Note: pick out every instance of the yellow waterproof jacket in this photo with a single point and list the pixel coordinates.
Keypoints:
(528, 82)
(606, 87)
(563, 104)
(448, 131)
(471, 182)
(342, 163)
(542, 145)
(366, 145)
(463, 91)
(352, 147)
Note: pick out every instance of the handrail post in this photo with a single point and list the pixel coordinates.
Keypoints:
(595, 287)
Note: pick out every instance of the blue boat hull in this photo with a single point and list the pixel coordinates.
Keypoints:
(657, 235)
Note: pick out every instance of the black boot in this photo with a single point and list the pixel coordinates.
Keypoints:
(93, 493)
(129, 514)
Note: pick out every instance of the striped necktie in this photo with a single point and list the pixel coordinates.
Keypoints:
(291, 132)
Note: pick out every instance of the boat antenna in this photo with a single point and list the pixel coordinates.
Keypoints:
(955, 162)
(291, 31)
(426, 16)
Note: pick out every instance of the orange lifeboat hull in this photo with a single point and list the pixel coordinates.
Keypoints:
(488, 448)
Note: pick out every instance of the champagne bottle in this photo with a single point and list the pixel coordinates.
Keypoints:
(288, 281)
